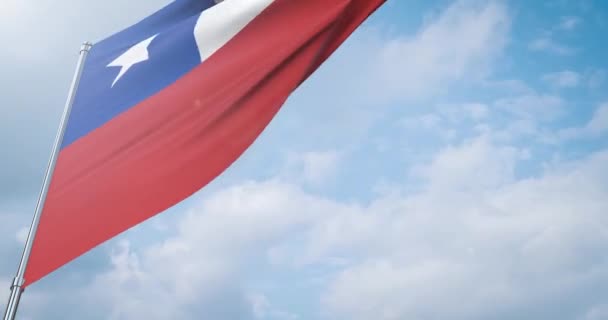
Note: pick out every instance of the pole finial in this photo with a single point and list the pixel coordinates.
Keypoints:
(86, 46)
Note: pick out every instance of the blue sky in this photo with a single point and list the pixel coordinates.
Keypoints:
(448, 162)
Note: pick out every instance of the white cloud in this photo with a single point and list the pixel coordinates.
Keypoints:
(50, 28)
(548, 44)
(533, 106)
(313, 167)
(425, 121)
(190, 273)
(569, 23)
(428, 125)
(263, 309)
(474, 165)
(510, 245)
(458, 45)
(599, 123)
(477, 111)
(598, 312)
(596, 126)
(12, 11)
(563, 79)
(462, 113)
(596, 78)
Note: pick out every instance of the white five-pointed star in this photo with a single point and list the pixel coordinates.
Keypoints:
(136, 54)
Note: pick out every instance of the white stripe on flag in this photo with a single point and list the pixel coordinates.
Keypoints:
(220, 23)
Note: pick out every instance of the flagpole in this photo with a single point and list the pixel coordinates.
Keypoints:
(19, 280)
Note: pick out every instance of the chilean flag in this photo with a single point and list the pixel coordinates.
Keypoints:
(167, 104)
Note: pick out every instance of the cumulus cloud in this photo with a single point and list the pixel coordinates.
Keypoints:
(541, 107)
(569, 22)
(596, 313)
(546, 43)
(596, 78)
(507, 247)
(525, 116)
(459, 44)
(185, 288)
(599, 123)
(563, 79)
(198, 271)
(312, 167)
(595, 127)
(263, 309)
(477, 165)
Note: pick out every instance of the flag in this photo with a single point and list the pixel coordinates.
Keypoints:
(167, 104)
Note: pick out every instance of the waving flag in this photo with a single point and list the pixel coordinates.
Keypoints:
(168, 104)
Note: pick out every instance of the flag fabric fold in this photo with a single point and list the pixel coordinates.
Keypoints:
(168, 104)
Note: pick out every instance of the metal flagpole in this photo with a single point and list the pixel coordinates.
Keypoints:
(18, 281)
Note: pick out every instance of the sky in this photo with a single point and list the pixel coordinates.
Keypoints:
(447, 162)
